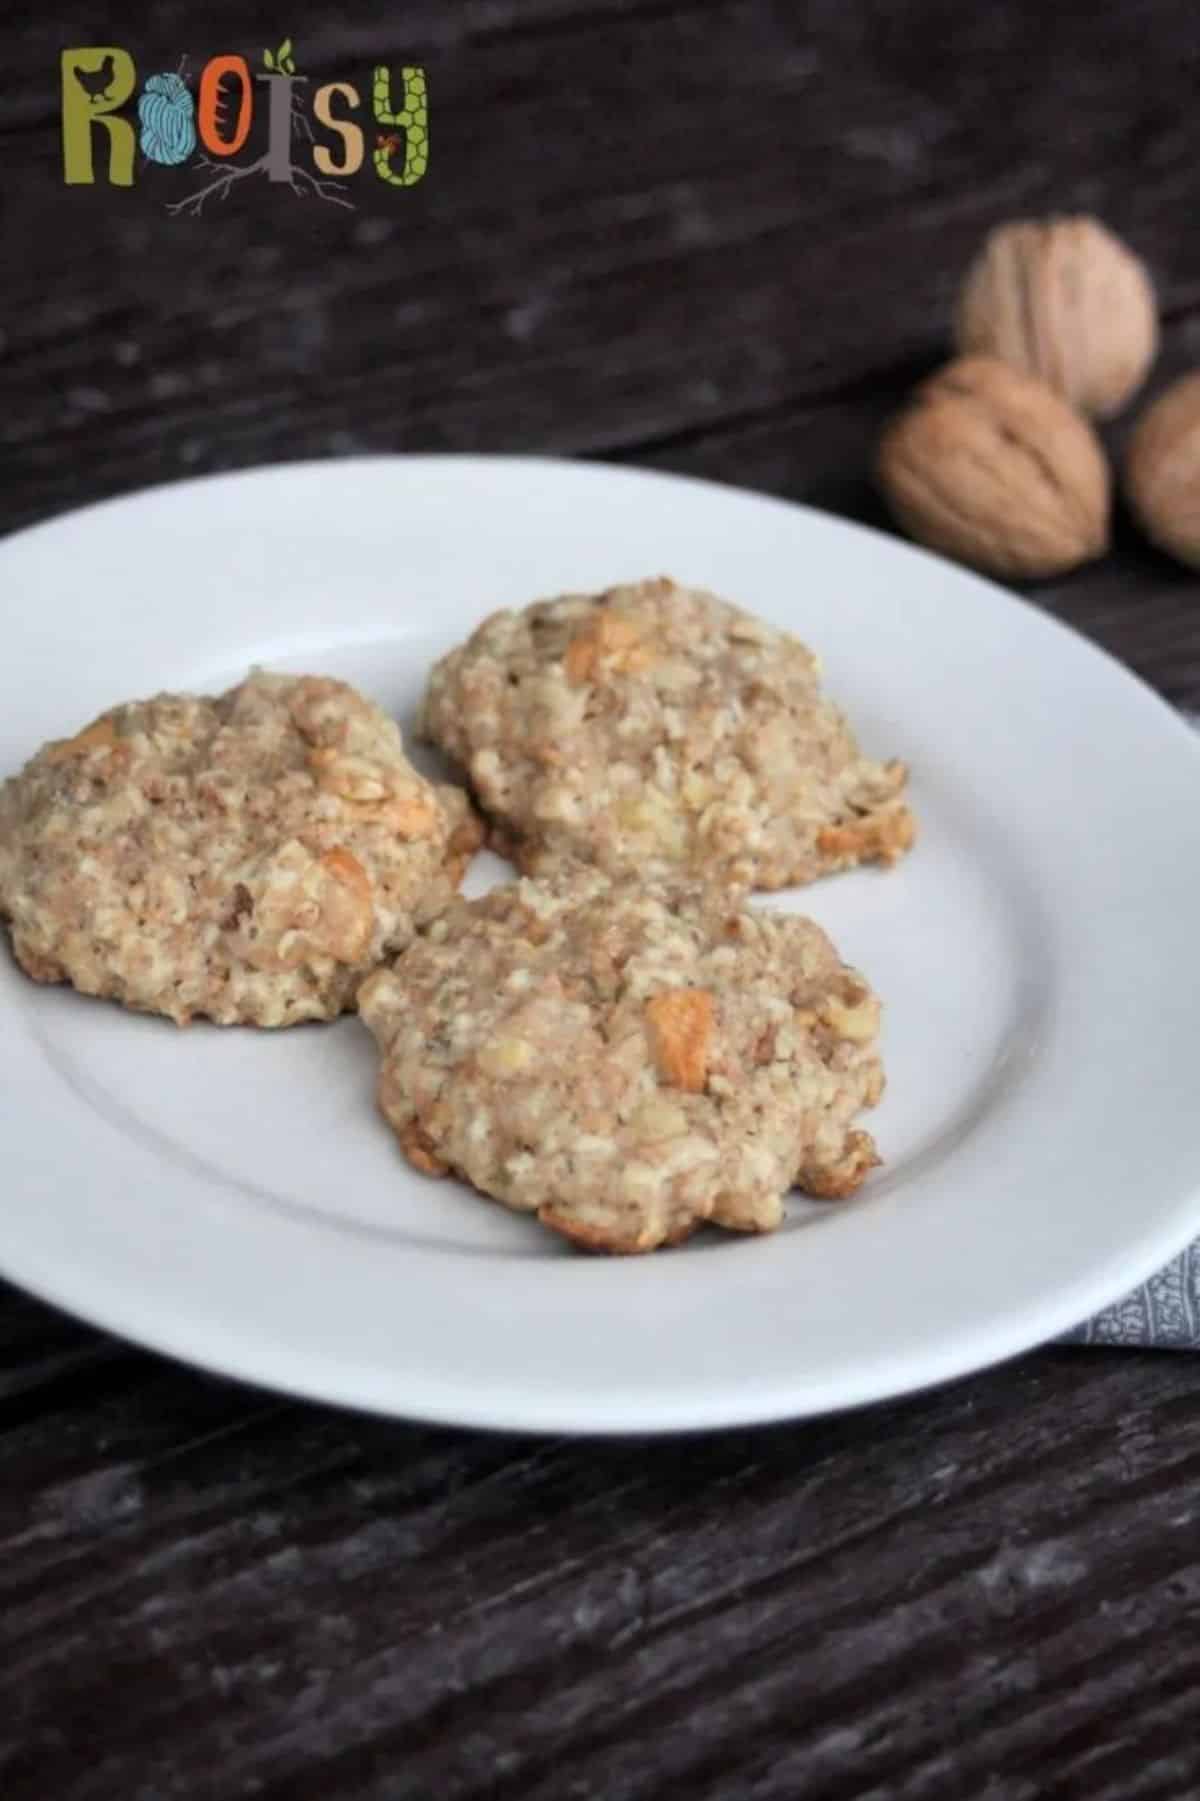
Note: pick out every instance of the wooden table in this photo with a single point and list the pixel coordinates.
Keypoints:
(719, 236)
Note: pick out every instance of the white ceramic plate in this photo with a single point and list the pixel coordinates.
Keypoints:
(232, 1197)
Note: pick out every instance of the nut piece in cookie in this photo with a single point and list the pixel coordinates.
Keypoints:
(657, 730)
(627, 1060)
(680, 1022)
(248, 858)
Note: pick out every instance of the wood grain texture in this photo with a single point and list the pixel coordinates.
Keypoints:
(716, 236)
(993, 1590)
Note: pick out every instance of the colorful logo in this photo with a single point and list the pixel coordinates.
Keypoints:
(309, 149)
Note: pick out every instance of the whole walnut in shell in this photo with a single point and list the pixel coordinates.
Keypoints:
(1063, 299)
(994, 468)
(1162, 470)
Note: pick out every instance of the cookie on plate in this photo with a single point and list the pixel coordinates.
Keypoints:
(627, 1061)
(655, 728)
(248, 858)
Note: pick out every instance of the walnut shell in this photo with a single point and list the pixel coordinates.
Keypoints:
(1162, 470)
(994, 468)
(1063, 299)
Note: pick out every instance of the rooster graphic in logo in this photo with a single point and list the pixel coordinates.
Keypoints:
(97, 82)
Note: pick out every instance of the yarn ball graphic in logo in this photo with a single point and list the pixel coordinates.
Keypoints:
(167, 114)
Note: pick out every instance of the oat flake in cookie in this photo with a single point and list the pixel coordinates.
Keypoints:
(247, 858)
(627, 1061)
(655, 728)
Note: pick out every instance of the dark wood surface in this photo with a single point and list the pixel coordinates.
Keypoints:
(717, 236)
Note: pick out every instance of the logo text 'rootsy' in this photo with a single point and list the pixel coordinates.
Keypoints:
(311, 149)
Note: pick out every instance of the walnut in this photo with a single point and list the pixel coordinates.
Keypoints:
(1065, 300)
(993, 467)
(1162, 470)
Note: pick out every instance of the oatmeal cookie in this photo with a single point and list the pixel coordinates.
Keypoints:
(625, 1060)
(655, 728)
(247, 858)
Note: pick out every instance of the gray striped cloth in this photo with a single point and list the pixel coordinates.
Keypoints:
(1164, 1314)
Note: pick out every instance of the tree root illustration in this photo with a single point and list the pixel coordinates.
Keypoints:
(302, 182)
(229, 174)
